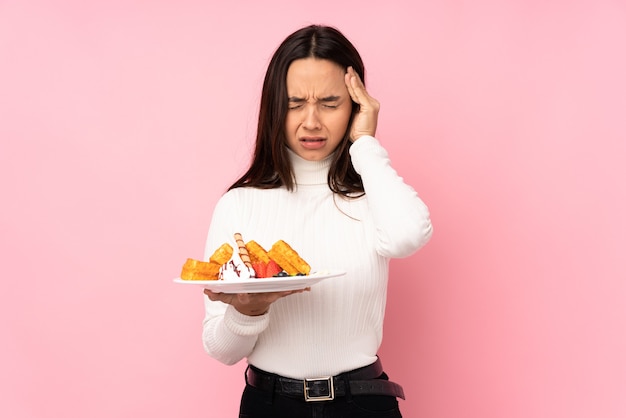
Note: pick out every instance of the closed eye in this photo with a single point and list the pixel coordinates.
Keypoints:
(330, 102)
(296, 103)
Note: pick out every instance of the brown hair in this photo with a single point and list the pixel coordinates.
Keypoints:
(270, 167)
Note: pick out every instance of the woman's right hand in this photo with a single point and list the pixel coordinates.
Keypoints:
(251, 304)
(366, 120)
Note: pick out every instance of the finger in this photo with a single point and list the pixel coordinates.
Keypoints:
(357, 91)
(293, 292)
(219, 297)
(348, 81)
(355, 86)
(211, 295)
(243, 298)
(360, 94)
(356, 79)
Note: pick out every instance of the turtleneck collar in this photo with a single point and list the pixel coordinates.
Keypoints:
(309, 172)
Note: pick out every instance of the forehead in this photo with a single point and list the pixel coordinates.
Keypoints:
(312, 76)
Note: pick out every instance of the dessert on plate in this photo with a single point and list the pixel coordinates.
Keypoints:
(250, 261)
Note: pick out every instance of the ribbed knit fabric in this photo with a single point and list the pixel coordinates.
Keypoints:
(338, 325)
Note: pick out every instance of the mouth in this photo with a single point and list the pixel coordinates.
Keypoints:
(312, 142)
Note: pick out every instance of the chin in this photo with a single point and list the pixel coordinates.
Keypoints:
(314, 155)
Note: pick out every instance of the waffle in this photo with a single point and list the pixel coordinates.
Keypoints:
(288, 258)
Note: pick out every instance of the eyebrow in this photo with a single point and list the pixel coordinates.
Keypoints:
(323, 99)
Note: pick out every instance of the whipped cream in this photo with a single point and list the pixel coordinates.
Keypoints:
(235, 269)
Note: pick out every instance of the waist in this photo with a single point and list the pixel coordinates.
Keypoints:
(368, 380)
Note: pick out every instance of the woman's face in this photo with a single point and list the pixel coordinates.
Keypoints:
(319, 107)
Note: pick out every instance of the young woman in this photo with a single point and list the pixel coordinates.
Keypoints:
(320, 181)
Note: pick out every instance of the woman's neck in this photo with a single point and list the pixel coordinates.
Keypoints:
(309, 172)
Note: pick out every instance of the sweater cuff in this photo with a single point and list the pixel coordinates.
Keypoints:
(245, 325)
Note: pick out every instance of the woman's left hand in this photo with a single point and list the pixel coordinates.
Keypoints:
(366, 119)
(251, 304)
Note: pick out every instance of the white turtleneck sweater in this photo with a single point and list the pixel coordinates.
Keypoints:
(338, 325)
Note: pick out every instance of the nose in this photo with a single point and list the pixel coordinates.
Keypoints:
(311, 118)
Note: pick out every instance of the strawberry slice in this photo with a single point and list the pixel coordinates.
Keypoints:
(272, 269)
(260, 268)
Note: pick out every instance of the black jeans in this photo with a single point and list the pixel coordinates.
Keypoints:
(256, 403)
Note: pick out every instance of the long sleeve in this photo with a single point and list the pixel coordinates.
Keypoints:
(401, 218)
(228, 335)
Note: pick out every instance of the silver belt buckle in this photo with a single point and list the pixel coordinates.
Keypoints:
(331, 389)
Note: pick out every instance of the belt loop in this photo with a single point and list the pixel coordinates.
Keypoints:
(245, 374)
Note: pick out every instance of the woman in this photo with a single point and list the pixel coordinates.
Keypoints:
(320, 181)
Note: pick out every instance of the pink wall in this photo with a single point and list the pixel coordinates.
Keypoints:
(121, 122)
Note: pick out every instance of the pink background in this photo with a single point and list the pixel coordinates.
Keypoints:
(121, 123)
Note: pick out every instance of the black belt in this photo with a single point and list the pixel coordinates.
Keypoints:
(363, 381)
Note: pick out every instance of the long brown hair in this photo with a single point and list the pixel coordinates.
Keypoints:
(270, 167)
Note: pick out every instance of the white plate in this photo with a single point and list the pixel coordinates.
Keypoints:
(269, 284)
